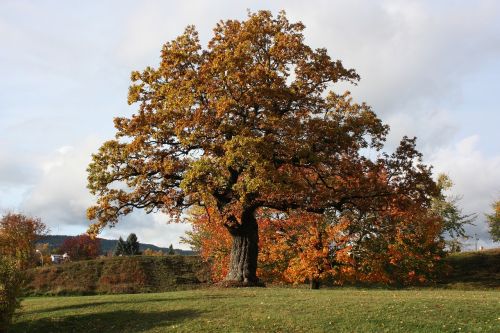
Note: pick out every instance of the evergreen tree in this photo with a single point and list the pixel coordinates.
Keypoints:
(120, 248)
(132, 245)
(171, 250)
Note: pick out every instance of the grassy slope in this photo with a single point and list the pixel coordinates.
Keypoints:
(474, 269)
(266, 310)
(470, 270)
(117, 275)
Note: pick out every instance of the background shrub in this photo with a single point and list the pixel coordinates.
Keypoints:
(11, 280)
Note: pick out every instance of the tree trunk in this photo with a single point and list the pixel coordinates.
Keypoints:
(314, 283)
(244, 251)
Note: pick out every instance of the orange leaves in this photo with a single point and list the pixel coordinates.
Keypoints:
(311, 247)
(407, 253)
(298, 247)
(211, 239)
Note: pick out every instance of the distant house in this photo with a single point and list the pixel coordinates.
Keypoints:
(59, 258)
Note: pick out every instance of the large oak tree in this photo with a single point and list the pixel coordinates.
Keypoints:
(250, 122)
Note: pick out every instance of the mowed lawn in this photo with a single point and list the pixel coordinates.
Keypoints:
(266, 310)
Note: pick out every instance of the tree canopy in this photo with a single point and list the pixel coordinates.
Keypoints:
(18, 236)
(120, 248)
(251, 122)
(81, 247)
(132, 245)
(454, 221)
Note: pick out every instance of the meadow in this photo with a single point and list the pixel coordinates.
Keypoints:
(266, 310)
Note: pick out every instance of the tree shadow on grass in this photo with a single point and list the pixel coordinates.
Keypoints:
(131, 301)
(67, 307)
(115, 321)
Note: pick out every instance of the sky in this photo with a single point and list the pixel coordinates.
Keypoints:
(429, 69)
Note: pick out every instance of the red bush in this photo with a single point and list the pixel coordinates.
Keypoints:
(81, 247)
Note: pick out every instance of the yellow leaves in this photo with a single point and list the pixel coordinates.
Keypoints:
(250, 158)
(134, 93)
(204, 176)
(224, 106)
(135, 76)
(444, 182)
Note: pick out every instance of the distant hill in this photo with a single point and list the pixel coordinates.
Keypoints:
(55, 241)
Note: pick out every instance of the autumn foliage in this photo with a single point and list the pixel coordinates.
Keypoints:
(406, 249)
(250, 125)
(18, 236)
(211, 240)
(81, 247)
(301, 247)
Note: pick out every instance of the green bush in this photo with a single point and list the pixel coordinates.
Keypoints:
(11, 280)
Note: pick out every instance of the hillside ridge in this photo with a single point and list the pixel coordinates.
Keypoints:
(107, 245)
(116, 275)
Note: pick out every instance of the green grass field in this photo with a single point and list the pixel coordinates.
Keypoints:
(266, 310)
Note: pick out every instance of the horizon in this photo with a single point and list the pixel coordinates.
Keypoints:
(116, 239)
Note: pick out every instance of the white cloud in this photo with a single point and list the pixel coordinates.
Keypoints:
(59, 195)
(406, 52)
(60, 198)
(413, 57)
(16, 168)
(433, 128)
(153, 23)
